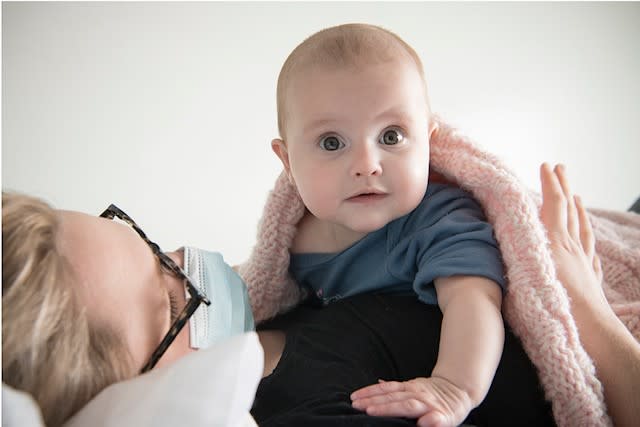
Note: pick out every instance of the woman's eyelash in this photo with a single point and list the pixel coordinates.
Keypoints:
(173, 305)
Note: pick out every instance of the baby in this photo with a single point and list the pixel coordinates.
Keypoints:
(355, 122)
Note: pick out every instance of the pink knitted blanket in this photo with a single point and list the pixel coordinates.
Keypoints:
(536, 305)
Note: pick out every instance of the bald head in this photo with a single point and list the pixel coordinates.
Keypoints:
(343, 46)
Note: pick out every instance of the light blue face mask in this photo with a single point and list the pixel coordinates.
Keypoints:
(229, 313)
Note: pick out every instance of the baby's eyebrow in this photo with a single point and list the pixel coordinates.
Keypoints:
(318, 123)
(394, 113)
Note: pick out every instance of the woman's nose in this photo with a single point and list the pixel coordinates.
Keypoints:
(366, 161)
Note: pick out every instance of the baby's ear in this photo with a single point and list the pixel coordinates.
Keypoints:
(280, 148)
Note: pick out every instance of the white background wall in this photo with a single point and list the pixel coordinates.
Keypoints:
(167, 109)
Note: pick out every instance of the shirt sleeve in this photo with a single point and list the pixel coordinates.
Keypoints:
(446, 235)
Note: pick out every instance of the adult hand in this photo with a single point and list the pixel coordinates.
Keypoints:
(571, 241)
(433, 401)
(614, 351)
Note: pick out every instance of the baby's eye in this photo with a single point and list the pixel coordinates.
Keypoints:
(391, 137)
(331, 143)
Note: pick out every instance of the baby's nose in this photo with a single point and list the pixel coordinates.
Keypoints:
(366, 161)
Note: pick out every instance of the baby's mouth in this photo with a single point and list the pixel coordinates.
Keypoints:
(367, 197)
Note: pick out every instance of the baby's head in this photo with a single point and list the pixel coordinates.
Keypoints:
(343, 46)
(50, 347)
(354, 122)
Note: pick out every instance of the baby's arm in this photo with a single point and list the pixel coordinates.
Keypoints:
(472, 334)
(471, 344)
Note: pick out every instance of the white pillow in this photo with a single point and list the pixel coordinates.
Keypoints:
(211, 387)
(19, 409)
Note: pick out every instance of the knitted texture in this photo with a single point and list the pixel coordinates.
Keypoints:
(266, 273)
(536, 305)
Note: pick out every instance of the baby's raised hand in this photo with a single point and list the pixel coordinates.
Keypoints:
(433, 401)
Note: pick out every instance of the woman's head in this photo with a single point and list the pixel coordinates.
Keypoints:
(51, 347)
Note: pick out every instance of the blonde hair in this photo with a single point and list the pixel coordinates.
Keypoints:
(342, 46)
(50, 349)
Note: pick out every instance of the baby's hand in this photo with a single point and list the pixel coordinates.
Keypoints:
(433, 401)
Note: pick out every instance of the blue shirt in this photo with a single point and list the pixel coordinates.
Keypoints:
(445, 235)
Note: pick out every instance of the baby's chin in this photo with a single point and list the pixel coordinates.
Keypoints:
(369, 225)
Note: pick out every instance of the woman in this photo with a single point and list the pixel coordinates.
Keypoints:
(90, 292)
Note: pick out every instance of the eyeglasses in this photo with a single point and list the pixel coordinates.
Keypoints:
(196, 297)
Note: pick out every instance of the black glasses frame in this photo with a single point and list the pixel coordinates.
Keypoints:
(196, 297)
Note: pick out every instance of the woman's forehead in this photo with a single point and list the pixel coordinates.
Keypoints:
(116, 276)
(103, 254)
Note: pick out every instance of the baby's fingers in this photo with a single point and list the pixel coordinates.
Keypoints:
(432, 419)
(398, 405)
(382, 387)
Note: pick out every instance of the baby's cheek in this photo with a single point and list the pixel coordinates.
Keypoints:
(316, 202)
(415, 185)
(319, 197)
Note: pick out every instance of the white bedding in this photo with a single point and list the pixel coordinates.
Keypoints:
(211, 387)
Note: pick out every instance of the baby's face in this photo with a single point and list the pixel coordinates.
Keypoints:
(357, 143)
